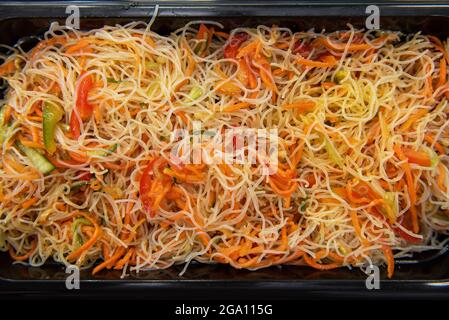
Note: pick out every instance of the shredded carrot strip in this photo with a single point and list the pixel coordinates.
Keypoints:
(265, 72)
(430, 139)
(284, 239)
(183, 116)
(31, 144)
(328, 61)
(354, 199)
(190, 62)
(35, 134)
(428, 89)
(8, 112)
(440, 47)
(296, 158)
(411, 186)
(29, 203)
(7, 67)
(83, 43)
(77, 156)
(442, 79)
(314, 264)
(105, 251)
(228, 87)
(327, 85)
(413, 119)
(248, 49)
(47, 43)
(35, 118)
(119, 265)
(222, 34)
(15, 165)
(390, 260)
(441, 177)
(341, 46)
(357, 228)
(105, 264)
(417, 157)
(301, 105)
(26, 255)
(97, 113)
(279, 191)
(237, 106)
(86, 246)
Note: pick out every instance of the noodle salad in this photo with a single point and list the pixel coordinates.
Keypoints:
(86, 127)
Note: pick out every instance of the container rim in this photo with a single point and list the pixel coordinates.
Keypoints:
(144, 9)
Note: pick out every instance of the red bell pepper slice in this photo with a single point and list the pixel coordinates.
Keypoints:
(87, 176)
(230, 51)
(405, 221)
(75, 126)
(145, 186)
(303, 49)
(84, 109)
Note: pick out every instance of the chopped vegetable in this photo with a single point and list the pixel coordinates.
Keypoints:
(78, 185)
(195, 93)
(203, 36)
(303, 205)
(410, 185)
(161, 60)
(3, 116)
(102, 153)
(83, 107)
(112, 80)
(390, 200)
(303, 106)
(406, 223)
(333, 153)
(145, 185)
(75, 125)
(442, 217)
(418, 157)
(340, 76)
(83, 110)
(76, 236)
(327, 61)
(38, 160)
(86, 246)
(231, 49)
(4, 130)
(52, 114)
(304, 49)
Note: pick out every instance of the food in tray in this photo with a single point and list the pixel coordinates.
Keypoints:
(91, 172)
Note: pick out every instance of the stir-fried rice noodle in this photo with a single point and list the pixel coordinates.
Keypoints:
(362, 122)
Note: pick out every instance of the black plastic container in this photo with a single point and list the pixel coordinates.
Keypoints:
(426, 277)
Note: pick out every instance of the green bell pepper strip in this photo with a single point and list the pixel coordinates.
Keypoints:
(52, 114)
